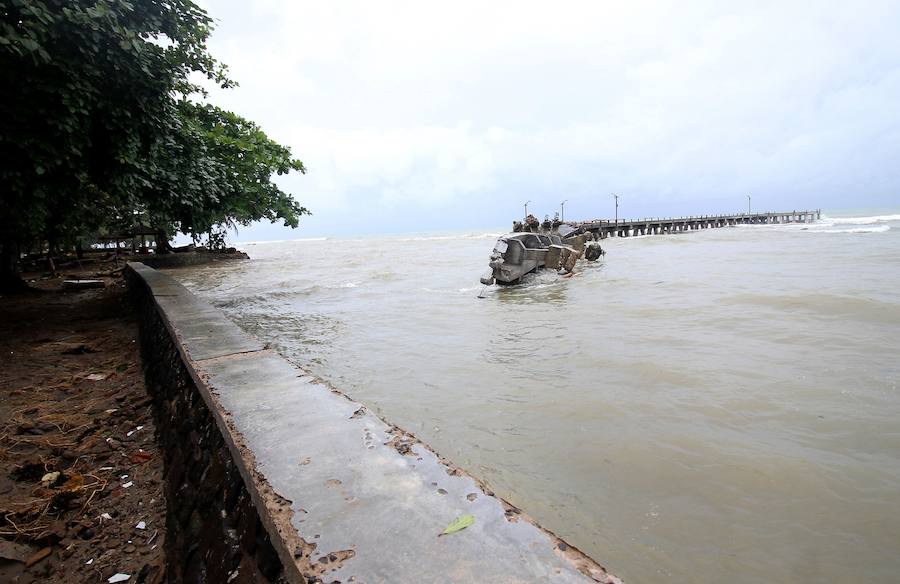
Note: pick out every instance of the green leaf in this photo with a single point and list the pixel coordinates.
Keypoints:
(458, 524)
(29, 44)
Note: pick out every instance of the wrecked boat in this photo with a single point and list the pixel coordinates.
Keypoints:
(520, 253)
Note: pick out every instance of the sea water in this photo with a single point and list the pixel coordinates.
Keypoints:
(710, 406)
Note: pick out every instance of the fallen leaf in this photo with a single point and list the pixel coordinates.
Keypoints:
(97, 376)
(49, 478)
(458, 524)
(74, 483)
(37, 557)
(120, 577)
(140, 457)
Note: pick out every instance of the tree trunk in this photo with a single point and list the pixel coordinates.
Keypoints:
(51, 265)
(162, 242)
(10, 280)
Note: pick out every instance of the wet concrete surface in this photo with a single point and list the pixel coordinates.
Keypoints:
(202, 329)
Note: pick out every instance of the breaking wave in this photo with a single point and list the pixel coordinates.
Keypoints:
(299, 240)
(451, 237)
(827, 229)
(828, 221)
(876, 229)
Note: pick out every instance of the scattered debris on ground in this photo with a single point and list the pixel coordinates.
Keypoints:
(81, 497)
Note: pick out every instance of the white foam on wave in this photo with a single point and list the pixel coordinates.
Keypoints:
(874, 229)
(827, 220)
(468, 290)
(299, 240)
(450, 237)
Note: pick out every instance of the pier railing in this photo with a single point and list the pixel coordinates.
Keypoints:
(603, 228)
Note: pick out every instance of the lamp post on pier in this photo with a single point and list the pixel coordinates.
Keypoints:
(616, 197)
(748, 204)
(526, 208)
(562, 210)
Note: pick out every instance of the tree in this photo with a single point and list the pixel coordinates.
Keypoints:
(216, 169)
(94, 95)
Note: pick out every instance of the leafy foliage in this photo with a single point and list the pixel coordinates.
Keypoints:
(216, 168)
(97, 124)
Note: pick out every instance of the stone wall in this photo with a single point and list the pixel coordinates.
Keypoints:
(214, 531)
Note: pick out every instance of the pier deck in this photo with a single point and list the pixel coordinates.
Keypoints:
(603, 228)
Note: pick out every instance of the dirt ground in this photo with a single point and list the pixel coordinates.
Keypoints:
(80, 471)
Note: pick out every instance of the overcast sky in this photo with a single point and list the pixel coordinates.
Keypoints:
(422, 116)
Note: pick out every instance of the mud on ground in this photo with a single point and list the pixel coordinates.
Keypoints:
(81, 495)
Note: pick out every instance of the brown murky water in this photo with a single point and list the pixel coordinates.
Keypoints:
(716, 406)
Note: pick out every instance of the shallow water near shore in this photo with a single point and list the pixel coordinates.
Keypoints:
(712, 406)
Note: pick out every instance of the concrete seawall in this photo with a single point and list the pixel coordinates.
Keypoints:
(274, 476)
(183, 260)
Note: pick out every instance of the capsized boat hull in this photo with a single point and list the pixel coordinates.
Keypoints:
(515, 255)
(519, 253)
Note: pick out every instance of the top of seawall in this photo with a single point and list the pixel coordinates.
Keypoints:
(345, 496)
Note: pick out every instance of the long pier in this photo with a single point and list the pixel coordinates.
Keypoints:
(603, 228)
